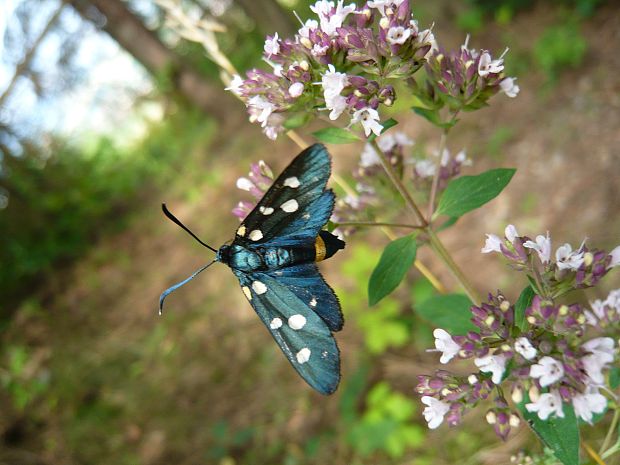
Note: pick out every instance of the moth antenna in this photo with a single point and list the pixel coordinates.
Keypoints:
(165, 294)
(175, 220)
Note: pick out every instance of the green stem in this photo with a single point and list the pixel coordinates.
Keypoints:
(610, 432)
(400, 187)
(372, 223)
(434, 187)
(434, 241)
(441, 251)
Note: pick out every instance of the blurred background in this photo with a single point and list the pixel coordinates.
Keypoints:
(105, 113)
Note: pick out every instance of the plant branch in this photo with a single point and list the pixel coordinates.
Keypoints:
(610, 432)
(400, 187)
(443, 254)
(372, 223)
(434, 187)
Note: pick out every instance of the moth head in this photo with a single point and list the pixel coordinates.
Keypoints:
(223, 255)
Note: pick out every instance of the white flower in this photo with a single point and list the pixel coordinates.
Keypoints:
(495, 364)
(260, 109)
(602, 347)
(272, 47)
(329, 21)
(369, 119)
(615, 258)
(446, 345)
(427, 37)
(296, 89)
(589, 403)
(548, 370)
(542, 246)
(389, 140)
(509, 87)
(461, 157)
(525, 348)
(613, 300)
(425, 168)
(309, 25)
(369, 157)
(333, 82)
(235, 85)
(273, 126)
(245, 184)
(318, 50)
(434, 413)
(547, 403)
(511, 233)
(337, 104)
(382, 4)
(322, 7)
(277, 68)
(593, 366)
(398, 35)
(492, 244)
(486, 65)
(567, 259)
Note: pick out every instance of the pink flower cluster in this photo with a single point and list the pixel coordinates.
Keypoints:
(333, 64)
(557, 352)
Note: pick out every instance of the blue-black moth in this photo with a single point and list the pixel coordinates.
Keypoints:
(274, 255)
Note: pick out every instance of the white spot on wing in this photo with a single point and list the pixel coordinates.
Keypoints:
(275, 323)
(266, 210)
(246, 291)
(292, 182)
(306, 216)
(313, 302)
(241, 231)
(297, 322)
(259, 287)
(256, 235)
(303, 355)
(290, 206)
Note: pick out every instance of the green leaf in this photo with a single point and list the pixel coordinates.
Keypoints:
(390, 123)
(395, 260)
(448, 311)
(335, 136)
(524, 301)
(297, 120)
(561, 435)
(467, 193)
(432, 116)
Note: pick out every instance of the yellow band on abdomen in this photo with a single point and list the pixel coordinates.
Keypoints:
(319, 249)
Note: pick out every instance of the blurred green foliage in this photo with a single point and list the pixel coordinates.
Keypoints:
(383, 326)
(60, 203)
(387, 423)
(560, 47)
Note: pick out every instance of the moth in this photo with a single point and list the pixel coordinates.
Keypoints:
(274, 255)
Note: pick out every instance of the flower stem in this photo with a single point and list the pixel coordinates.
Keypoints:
(434, 241)
(610, 432)
(442, 147)
(443, 254)
(592, 453)
(400, 187)
(373, 223)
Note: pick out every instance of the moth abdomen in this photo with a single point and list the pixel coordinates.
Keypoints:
(326, 245)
